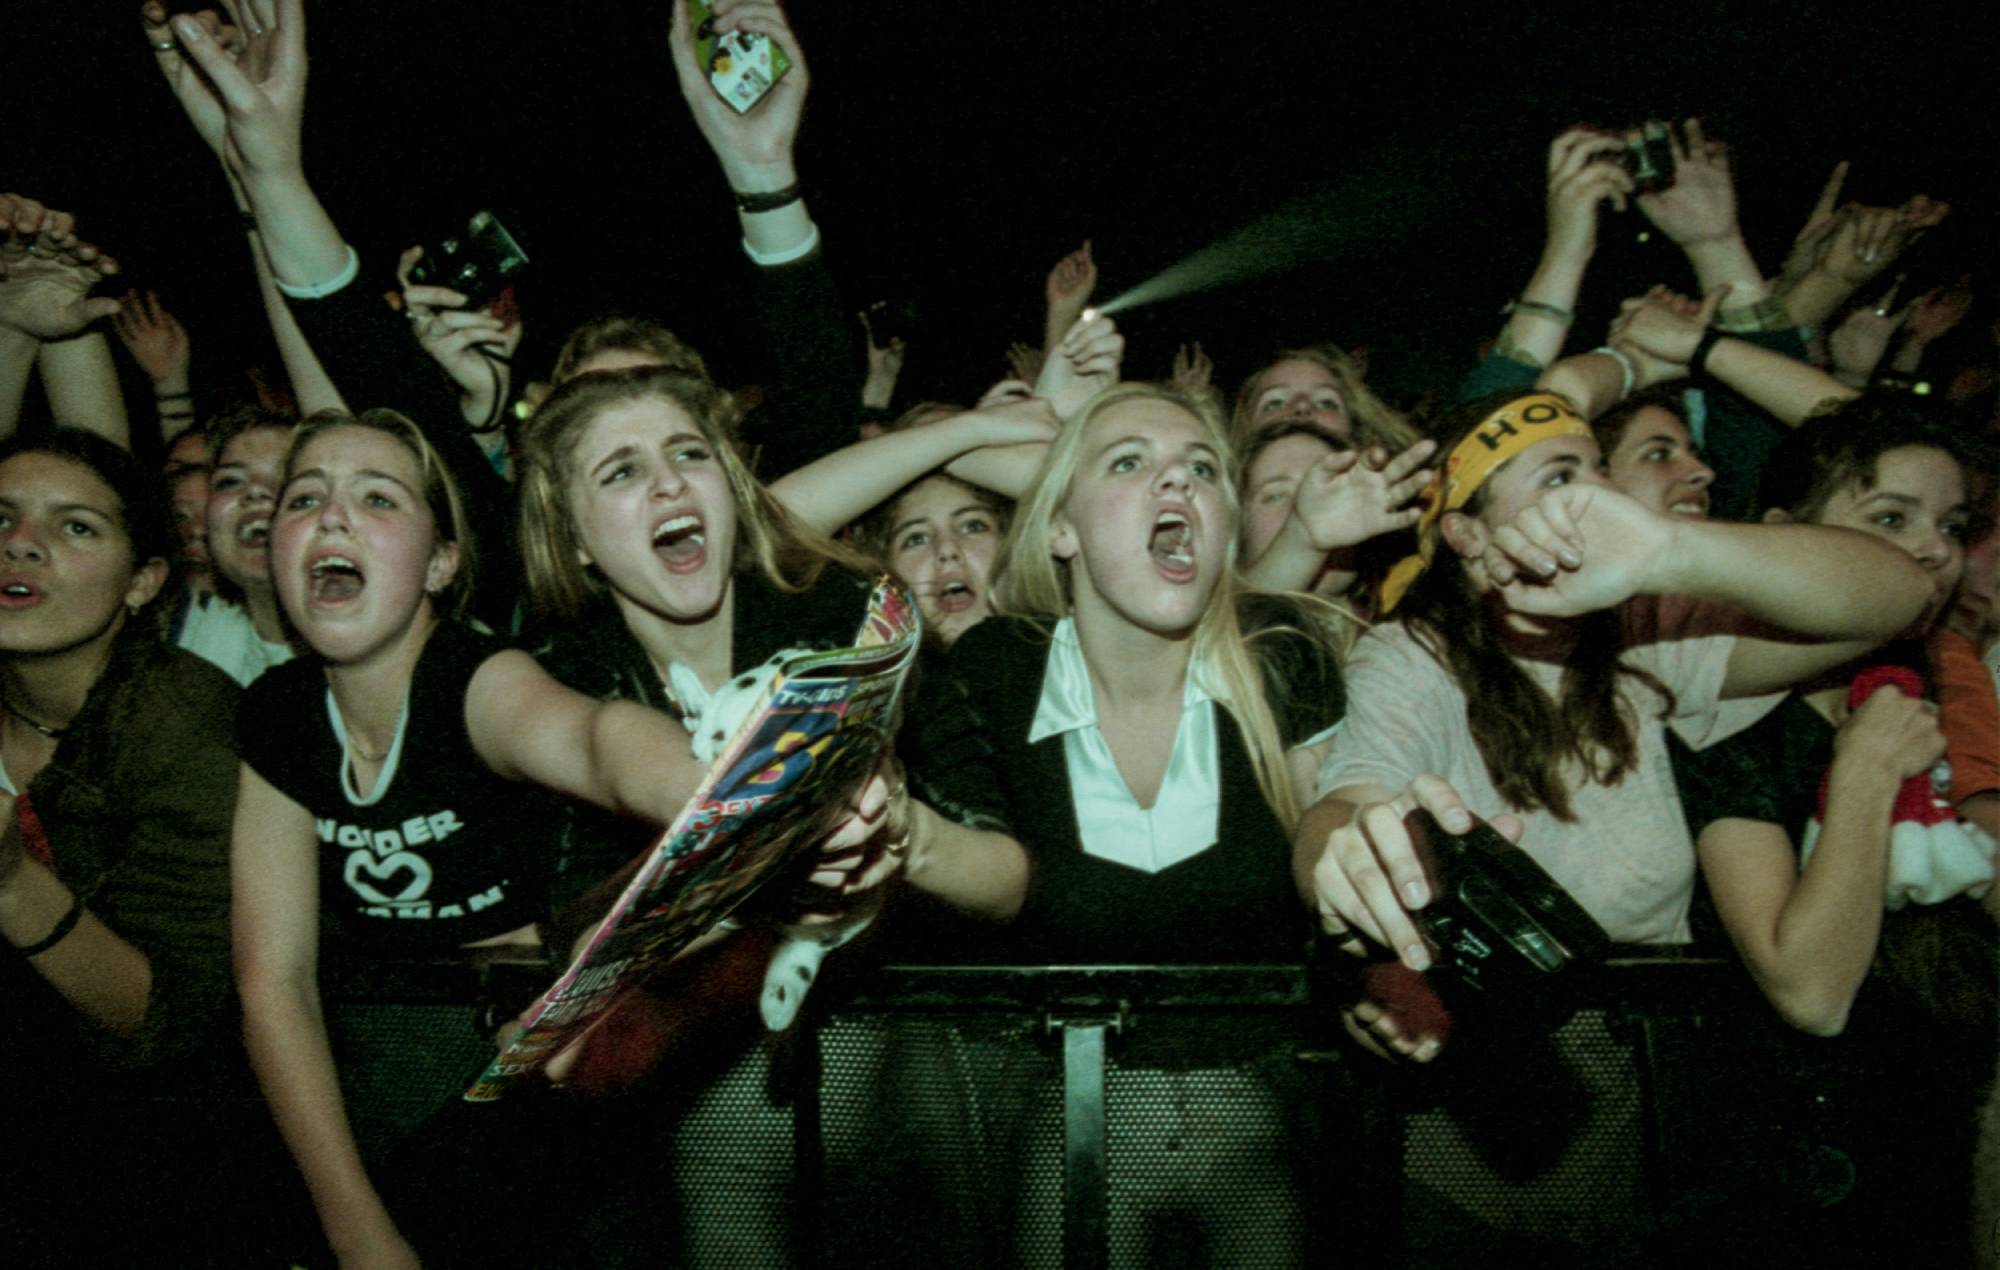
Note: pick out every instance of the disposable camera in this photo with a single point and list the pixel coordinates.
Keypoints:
(478, 263)
(1505, 932)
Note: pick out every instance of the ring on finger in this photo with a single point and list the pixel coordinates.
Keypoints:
(164, 46)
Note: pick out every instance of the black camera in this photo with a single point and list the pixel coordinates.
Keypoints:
(1648, 157)
(478, 263)
(1505, 932)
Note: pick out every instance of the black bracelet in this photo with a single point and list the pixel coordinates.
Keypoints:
(769, 202)
(1698, 363)
(172, 396)
(246, 220)
(61, 932)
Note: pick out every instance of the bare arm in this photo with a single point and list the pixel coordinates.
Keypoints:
(274, 867)
(620, 755)
(81, 380)
(974, 870)
(831, 492)
(1578, 184)
(1808, 936)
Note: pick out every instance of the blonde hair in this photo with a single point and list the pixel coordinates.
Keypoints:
(769, 538)
(1371, 421)
(440, 491)
(1032, 584)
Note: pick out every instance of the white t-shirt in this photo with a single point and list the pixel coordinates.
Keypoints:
(220, 632)
(1627, 857)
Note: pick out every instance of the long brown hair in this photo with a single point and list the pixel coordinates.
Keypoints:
(1525, 737)
(789, 553)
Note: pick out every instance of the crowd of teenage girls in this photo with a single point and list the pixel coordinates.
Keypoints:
(390, 669)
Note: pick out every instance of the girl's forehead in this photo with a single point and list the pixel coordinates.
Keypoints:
(37, 474)
(1150, 418)
(1294, 372)
(350, 446)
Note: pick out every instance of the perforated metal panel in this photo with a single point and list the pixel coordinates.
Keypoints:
(1543, 1159)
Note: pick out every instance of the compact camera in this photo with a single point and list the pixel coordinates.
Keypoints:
(1505, 932)
(478, 263)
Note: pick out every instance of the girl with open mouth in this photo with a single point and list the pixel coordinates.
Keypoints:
(381, 810)
(116, 781)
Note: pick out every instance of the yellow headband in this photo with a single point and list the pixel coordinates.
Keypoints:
(1521, 423)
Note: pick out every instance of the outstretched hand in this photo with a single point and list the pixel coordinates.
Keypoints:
(1083, 365)
(1582, 175)
(473, 346)
(755, 147)
(1192, 368)
(1663, 329)
(153, 335)
(1700, 206)
(47, 272)
(1071, 281)
(240, 78)
(1348, 497)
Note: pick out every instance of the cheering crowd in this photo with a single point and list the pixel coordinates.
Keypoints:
(409, 655)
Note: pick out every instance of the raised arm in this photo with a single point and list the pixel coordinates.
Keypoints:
(1698, 211)
(1579, 181)
(1842, 251)
(1787, 388)
(1342, 501)
(46, 316)
(1066, 291)
(275, 877)
(200, 101)
(835, 490)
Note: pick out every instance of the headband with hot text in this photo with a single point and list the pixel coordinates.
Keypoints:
(1514, 427)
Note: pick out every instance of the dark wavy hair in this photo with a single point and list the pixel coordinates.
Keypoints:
(1524, 735)
(1839, 450)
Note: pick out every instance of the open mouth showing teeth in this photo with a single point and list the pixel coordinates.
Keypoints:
(335, 578)
(680, 540)
(18, 591)
(1172, 543)
(255, 533)
(956, 596)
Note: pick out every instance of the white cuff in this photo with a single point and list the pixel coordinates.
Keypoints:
(789, 254)
(320, 290)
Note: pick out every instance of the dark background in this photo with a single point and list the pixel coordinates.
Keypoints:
(954, 150)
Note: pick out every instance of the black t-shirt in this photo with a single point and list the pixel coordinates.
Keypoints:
(441, 852)
(1235, 901)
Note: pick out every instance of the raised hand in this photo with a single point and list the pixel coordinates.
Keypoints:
(1934, 313)
(473, 346)
(153, 336)
(1579, 179)
(46, 272)
(1025, 363)
(1700, 206)
(1820, 223)
(885, 365)
(1867, 240)
(1663, 329)
(755, 148)
(1071, 281)
(1083, 365)
(245, 91)
(1192, 369)
(1345, 499)
(1856, 347)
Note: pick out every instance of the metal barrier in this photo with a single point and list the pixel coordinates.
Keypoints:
(1156, 1116)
